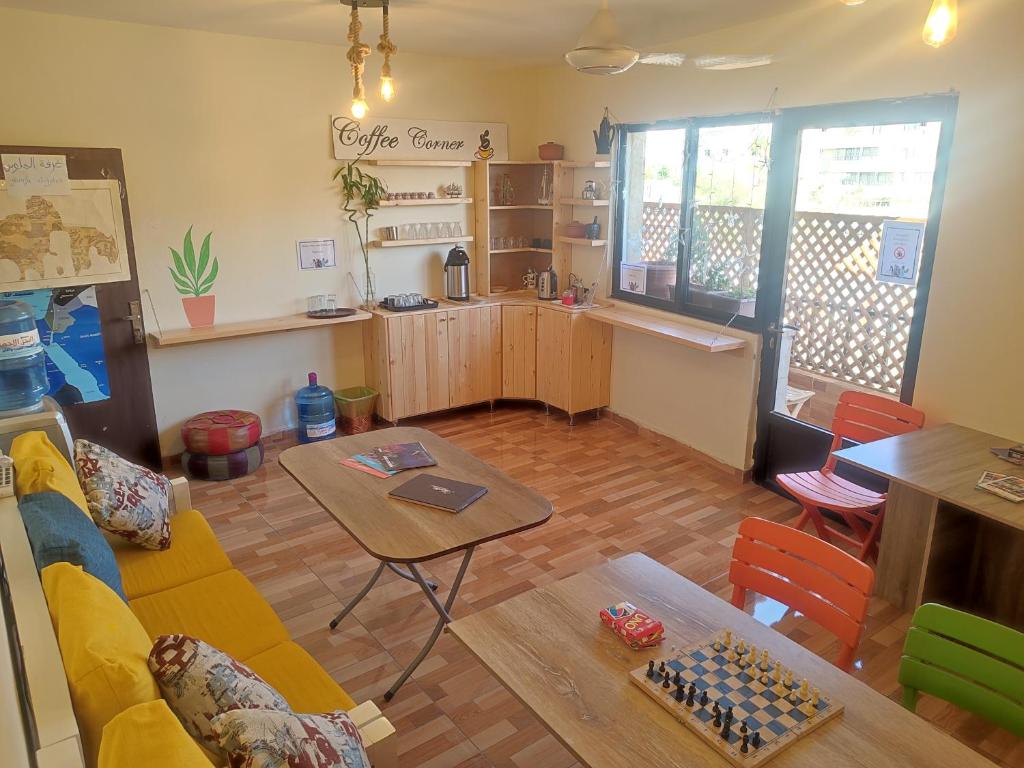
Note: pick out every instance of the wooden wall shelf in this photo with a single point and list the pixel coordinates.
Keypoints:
(249, 328)
(579, 201)
(586, 164)
(521, 250)
(434, 201)
(582, 241)
(424, 163)
(678, 333)
(423, 241)
(521, 162)
(534, 207)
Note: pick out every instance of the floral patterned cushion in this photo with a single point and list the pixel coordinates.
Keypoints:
(199, 682)
(124, 498)
(268, 739)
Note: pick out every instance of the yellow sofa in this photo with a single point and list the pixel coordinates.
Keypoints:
(190, 588)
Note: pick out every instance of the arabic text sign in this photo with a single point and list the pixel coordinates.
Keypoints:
(36, 175)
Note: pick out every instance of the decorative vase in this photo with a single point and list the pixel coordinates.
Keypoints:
(199, 310)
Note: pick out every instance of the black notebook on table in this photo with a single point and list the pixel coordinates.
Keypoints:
(439, 492)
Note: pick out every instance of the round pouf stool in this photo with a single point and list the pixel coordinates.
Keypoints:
(228, 466)
(219, 433)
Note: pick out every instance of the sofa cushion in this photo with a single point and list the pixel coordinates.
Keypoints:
(149, 735)
(224, 610)
(60, 533)
(193, 554)
(300, 679)
(104, 648)
(200, 682)
(39, 466)
(265, 738)
(125, 499)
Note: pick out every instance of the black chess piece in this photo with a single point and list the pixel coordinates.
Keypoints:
(666, 682)
(704, 698)
(680, 693)
(661, 669)
(756, 740)
(717, 722)
(728, 714)
(743, 727)
(689, 695)
(716, 709)
(726, 732)
(743, 746)
(650, 668)
(677, 679)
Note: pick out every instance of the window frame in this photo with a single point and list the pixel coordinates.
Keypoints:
(680, 304)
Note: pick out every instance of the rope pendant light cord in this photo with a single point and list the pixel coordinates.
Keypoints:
(385, 46)
(357, 54)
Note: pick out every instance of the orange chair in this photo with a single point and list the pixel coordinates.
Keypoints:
(862, 418)
(819, 580)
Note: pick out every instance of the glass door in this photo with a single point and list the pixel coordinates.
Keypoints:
(850, 234)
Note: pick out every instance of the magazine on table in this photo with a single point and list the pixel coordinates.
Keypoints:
(401, 456)
(1006, 486)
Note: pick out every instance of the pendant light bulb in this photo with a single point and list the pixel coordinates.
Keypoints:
(941, 25)
(387, 87)
(852, 2)
(359, 109)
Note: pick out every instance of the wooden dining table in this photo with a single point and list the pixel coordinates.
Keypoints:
(549, 648)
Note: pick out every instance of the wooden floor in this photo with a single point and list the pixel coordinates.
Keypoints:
(614, 492)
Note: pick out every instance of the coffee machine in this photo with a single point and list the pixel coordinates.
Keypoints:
(456, 274)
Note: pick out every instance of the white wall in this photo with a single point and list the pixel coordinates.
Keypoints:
(231, 134)
(971, 366)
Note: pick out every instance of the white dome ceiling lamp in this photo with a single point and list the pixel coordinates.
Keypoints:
(601, 50)
(359, 51)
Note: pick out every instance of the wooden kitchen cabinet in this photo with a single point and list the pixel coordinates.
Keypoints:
(574, 359)
(519, 352)
(474, 355)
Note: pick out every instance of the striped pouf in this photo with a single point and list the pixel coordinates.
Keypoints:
(218, 433)
(202, 466)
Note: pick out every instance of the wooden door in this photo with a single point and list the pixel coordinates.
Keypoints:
(418, 363)
(126, 422)
(553, 331)
(519, 352)
(474, 355)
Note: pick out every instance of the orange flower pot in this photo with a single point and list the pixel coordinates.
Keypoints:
(199, 310)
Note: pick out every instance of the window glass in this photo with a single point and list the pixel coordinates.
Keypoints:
(653, 193)
(728, 216)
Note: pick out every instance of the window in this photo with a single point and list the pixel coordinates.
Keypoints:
(690, 215)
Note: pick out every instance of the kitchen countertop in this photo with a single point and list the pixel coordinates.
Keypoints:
(517, 298)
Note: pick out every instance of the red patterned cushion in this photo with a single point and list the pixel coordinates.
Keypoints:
(216, 433)
(269, 739)
(199, 682)
(125, 499)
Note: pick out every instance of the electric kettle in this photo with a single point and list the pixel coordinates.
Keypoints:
(456, 274)
(547, 285)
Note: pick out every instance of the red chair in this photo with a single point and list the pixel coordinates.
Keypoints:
(826, 584)
(862, 418)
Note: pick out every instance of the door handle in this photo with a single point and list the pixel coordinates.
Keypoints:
(135, 318)
(773, 328)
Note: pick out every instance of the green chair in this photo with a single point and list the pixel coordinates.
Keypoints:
(965, 660)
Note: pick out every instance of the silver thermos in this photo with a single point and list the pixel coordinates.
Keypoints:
(456, 274)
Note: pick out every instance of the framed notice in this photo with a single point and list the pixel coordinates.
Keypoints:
(316, 254)
(633, 278)
(402, 139)
(900, 251)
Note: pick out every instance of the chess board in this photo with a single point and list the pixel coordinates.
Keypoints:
(778, 720)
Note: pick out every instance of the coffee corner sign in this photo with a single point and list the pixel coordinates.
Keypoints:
(418, 139)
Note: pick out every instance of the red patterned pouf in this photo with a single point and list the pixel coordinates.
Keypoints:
(200, 466)
(218, 433)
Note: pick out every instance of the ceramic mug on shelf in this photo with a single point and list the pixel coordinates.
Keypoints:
(389, 233)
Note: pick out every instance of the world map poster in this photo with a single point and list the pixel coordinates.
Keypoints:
(68, 320)
(53, 241)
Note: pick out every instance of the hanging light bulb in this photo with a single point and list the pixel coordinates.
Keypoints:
(941, 24)
(388, 49)
(359, 108)
(356, 58)
(852, 2)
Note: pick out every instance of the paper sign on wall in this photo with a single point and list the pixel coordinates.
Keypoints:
(36, 175)
(900, 251)
(316, 254)
(633, 278)
(400, 139)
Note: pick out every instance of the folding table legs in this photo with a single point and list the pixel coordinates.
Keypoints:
(429, 588)
(444, 617)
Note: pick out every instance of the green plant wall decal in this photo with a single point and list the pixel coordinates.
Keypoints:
(193, 277)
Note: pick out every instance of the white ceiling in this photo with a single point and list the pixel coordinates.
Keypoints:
(515, 30)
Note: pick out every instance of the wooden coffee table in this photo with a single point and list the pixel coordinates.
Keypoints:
(396, 531)
(549, 648)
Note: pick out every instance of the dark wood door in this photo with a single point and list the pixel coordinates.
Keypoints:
(126, 422)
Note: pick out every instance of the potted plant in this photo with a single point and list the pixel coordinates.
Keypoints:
(362, 192)
(735, 300)
(194, 280)
(715, 282)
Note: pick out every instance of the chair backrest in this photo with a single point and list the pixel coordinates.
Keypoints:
(969, 661)
(809, 575)
(863, 418)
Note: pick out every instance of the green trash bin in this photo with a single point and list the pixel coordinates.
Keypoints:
(355, 408)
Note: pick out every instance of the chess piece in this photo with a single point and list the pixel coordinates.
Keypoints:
(728, 638)
(752, 659)
(731, 656)
(728, 714)
(742, 647)
(756, 739)
(661, 668)
(789, 679)
(764, 661)
(680, 693)
(677, 680)
(743, 745)
(804, 694)
(726, 728)
(810, 707)
(716, 646)
(743, 727)
(689, 695)
(650, 668)
(815, 696)
(704, 698)
(717, 722)
(666, 682)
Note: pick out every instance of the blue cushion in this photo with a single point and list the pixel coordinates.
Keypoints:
(60, 533)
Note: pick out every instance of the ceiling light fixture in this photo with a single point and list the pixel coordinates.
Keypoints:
(388, 49)
(941, 24)
(852, 2)
(356, 56)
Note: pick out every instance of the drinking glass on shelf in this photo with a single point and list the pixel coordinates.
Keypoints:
(422, 231)
(456, 229)
(408, 231)
(446, 229)
(432, 231)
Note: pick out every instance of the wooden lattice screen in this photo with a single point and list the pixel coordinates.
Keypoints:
(853, 328)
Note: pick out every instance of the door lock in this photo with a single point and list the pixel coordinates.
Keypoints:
(135, 318)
